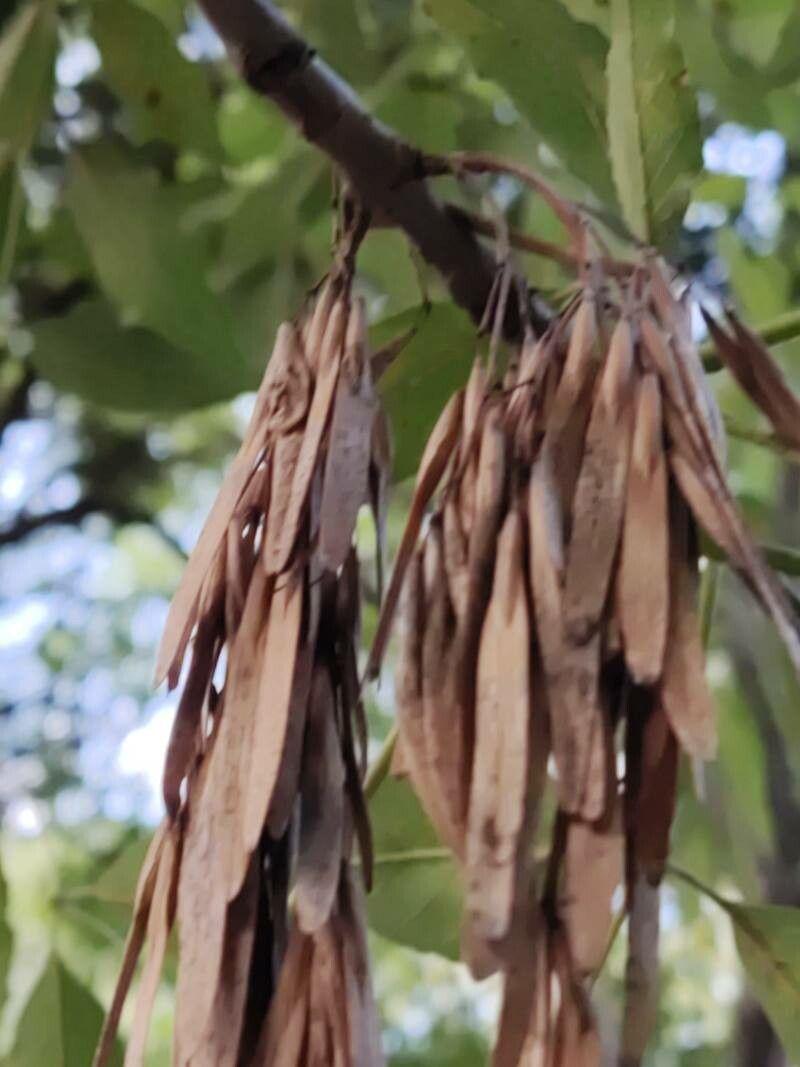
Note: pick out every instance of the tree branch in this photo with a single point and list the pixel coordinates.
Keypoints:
(383, 169)
(26, 524)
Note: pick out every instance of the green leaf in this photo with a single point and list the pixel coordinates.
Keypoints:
(653, 127)
(27, 52)
(116, 883)
(148, 264)
(741, 90)
(726, 189)
(416, 895)
(88, 352)
(247, 128)
(552, 67)
(426, 373)
(167, 96)
(762, 284)
(768, 941)
(60, 1023)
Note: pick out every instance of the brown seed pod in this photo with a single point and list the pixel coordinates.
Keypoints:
(270, 757)
(562, 550)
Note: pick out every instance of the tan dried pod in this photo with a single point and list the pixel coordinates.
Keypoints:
(263, 758)
(498, 803)
(643, 575)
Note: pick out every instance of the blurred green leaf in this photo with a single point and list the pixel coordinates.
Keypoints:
(248, 129)
(761, 283)
(415, 388)
(27, 51)
(768, 940)
(60, 1024)
(726, 189)
(147, 263)
(89, 353)
(653, 127)
(594, 11)
(551, 66)
(168, 96)
(755, 30)
(6, 939)
(416, 895)
(116, 882)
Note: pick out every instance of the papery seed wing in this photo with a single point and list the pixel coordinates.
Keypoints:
(202, 904)
(380, 476)
(221, 1044)
(773, 394)
(432, 466)
(656, 796)
(319, 853)
(442, 728)
(278, 699)
(684, 690)
(180, 620)
(184, 740)
(643, 575)
(159, 925)
(456, 557)
(315, 427)
(285, 1028)
(410, 701)
(284, 459)
(594, 867)
(490, 490)
(145, 888)
(347, 464)
(600, 493)
(500, 776)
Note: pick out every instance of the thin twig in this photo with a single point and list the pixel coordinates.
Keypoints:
(379, 768)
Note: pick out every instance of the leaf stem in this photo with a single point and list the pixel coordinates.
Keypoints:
(414, 855)
(379, 768)
(783, 328)
(762, 438)
(619, 920)
(16, 206)
(708, 599)
(689, 879)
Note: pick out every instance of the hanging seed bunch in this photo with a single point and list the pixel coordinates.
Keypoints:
(263, 775)
(550, 624)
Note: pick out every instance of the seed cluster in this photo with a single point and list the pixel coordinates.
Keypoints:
(550, 635)
(551, 671)
(263, 775)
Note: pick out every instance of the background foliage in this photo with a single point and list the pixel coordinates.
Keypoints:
(156, 222)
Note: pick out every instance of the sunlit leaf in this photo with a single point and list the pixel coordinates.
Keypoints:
(27, 51)
(60, 1023)
(552, 67)
(653, 128)
(426, 373)
(416, 896)
(168, 97)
